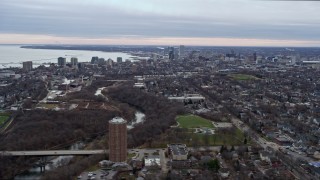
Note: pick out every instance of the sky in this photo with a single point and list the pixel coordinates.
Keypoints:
(161, 22)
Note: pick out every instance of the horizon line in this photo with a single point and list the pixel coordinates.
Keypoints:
(38, 39)
(48, 44)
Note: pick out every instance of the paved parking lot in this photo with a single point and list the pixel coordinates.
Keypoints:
(140, 154)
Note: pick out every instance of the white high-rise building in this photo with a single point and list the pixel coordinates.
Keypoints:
(181, 52)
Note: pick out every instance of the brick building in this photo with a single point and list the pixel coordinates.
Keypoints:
(117, 140)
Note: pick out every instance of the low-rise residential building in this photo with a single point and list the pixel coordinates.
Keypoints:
(178, 152)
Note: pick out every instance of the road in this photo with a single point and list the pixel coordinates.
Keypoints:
(289, 159)
(264, 143)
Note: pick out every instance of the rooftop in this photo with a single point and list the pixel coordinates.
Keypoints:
(152, 161)
(315, 164)
(117, 120)
(178, 149)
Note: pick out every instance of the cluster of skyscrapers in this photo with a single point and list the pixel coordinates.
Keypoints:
(63, 61)
(175, 54)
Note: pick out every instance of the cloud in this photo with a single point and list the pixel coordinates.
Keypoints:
(244, 19)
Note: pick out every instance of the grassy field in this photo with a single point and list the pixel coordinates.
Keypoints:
(243, 77)
(187, 136)
(131, 155)
(196, 139)
(3, 118)
(219, 139)
(192, 121)
(93, 168)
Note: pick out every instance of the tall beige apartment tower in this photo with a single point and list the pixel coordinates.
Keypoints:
(118, 140)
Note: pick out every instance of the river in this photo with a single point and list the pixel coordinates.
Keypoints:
(35, 173)
(139, 118)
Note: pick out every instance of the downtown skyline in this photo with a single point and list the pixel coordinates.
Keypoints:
(155, 22)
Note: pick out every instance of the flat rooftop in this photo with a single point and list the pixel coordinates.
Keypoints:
(152, 161)
(117, 120)
(178, 149)
(315, 164)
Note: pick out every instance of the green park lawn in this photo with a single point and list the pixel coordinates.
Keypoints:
(187, 135)
(192, 121)
(219, 139)
(196, 139)
(3, 119)
(243, 77)
(131, 155)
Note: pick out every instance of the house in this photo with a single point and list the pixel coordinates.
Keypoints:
(265, 156)
(316, 121)
(137, 164)
(284, 140)
(224, 172)
(105, 163)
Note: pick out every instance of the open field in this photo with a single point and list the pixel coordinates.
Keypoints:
(3, 118)
(236, 138)
(131, 155)
(243, 77)
(93, 168)
(192, 121)
(196, 139)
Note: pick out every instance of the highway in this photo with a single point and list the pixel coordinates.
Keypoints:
(52, 152)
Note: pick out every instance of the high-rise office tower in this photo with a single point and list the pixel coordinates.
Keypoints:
(181, 52)
(110, 62)
(61, 61)
(94, 60)
(101, 61)
(171, 53)
(27, 65)
(176, 55)
(118, 140)
(74, 61)
(254, 56)
(119, 59)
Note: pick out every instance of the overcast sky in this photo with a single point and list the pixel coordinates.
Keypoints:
(165, 22)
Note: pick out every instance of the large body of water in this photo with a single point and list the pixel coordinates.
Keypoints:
(13, 55)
